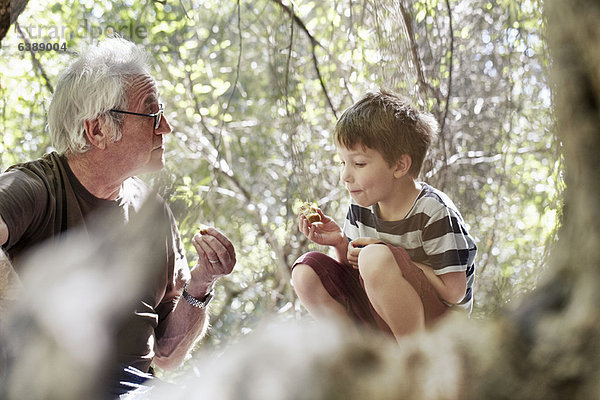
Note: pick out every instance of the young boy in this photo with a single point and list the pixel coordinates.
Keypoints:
(404, 256)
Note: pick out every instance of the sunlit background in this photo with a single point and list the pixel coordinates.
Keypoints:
(253, 89)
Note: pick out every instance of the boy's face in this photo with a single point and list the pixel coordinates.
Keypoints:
(367, 176)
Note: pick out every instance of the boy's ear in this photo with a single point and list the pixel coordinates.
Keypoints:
(95, 133)
(402, 166)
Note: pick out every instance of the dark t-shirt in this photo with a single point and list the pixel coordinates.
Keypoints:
(41, 199)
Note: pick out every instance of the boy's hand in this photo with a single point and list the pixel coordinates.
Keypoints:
(355, 246)
(326, 232)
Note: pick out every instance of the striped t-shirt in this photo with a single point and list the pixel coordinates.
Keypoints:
(433, 233)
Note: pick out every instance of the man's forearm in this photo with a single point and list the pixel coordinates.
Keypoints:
(10, 285)
(178, 333)
(187, 323)
(3, 232)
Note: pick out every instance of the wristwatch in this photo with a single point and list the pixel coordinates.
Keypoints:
(197, 302)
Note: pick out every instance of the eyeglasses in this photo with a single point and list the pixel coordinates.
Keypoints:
(157, 116)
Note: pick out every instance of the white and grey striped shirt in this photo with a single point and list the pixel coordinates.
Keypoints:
(432, 233)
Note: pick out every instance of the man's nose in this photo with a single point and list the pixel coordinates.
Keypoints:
(164, 127)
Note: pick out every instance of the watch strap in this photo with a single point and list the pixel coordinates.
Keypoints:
(197, 302)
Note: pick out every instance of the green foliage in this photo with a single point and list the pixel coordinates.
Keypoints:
(253, 111)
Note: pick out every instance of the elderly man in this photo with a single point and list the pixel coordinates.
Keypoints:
(107, 125)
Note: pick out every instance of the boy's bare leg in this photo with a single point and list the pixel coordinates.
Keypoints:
(394, 299)
(315, 297)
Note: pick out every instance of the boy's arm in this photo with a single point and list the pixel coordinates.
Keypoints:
(451, 287)
(355, 246)
(341, 250)
(326, 233)
(446, 242)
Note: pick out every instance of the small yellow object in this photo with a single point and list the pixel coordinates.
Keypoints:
(310, 212)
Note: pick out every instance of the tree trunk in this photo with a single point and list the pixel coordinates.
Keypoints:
(551, 347)
(9, 12)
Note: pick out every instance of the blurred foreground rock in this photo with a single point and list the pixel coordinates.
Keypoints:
(56, 340)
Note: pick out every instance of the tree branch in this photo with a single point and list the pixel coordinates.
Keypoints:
(287, 67)
(34, 59)
(449, 90)
(9, 12)
(314, 43)
(237, 73)
(424, 86)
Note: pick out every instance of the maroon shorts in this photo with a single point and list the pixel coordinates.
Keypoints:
(345, 285)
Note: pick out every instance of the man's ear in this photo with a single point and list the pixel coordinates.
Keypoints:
(95, 134)
(402, 166)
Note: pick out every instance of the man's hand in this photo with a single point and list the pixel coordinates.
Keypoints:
(187, 324)
(216, 258)
(326, 232)
(355, 246)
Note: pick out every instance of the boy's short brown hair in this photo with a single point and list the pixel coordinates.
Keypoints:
(385, 122)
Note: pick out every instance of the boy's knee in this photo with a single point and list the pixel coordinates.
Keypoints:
(304, 278)
(373, 260)
(375, 254)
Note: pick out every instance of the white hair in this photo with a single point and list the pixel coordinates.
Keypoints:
(94, 84)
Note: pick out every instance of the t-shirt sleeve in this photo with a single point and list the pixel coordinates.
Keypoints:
(178, 268)
(22, 197)
(350, 227)
(445, 242)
